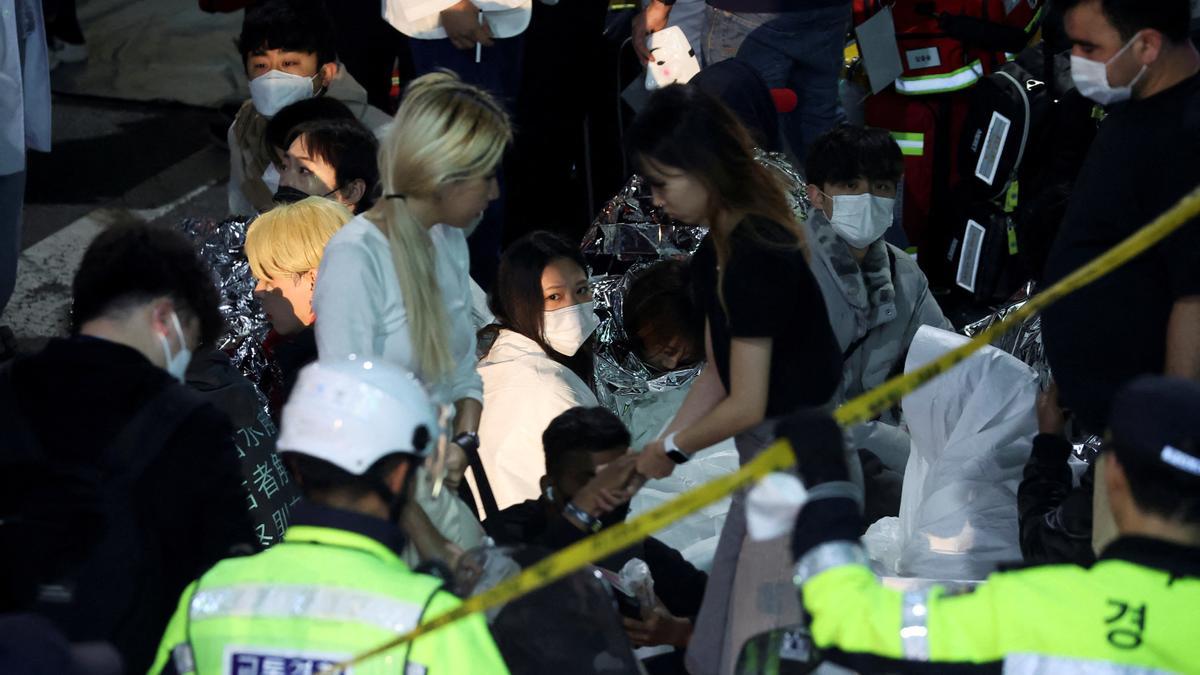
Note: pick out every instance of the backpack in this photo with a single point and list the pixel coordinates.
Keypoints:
(948, 45)
(96, 599)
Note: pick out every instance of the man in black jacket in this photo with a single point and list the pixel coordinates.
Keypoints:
(145, 455)
(587, 487)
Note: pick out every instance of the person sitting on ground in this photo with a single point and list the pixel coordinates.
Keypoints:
(666, 331)
(538, 363)
(279, 129)
(335, 159)
(284, 247)
(586, 488)
(109, 401)
(353, 435)
(875, 294)
(288, 50)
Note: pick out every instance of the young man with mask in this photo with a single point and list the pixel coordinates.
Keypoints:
(106, 404)
(353, 434)
(289, 50)
(336, 159)
(875, 294)
(587, 487)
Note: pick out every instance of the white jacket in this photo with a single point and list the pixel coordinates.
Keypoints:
(360, 309)
(523, 390)
(421, 18)
(24, 84)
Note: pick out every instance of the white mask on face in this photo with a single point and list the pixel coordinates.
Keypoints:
(176, 365)
(568, 328)
(275, 90)
(860, 220)
(1091, 78)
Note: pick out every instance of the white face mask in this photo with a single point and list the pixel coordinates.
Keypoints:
(176, 365)
(275, 90)
(860, 220)
(568, 328)
(1091, 78)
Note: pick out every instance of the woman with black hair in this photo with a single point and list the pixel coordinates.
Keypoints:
(538, 363)
(769, 345)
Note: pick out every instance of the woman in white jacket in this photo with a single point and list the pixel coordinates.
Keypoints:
(538, 366)
(393, 283)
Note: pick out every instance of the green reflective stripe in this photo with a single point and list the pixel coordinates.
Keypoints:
(1044, 664)
(826, 557)
(911, 144)
(914, 628)
(1036, 19)
(305, 603)
(941, 83)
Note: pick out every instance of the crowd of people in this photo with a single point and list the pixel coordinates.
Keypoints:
(436, 412)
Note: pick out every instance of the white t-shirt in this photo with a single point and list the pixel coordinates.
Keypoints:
(523, 390)
(361, 311)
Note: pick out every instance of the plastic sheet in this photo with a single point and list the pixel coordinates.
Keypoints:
(1024, 342)
(220, 245)
(972, 431)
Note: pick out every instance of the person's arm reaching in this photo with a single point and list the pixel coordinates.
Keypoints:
(1183, 339)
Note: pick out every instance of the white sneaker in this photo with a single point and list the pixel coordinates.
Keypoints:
(67, 52)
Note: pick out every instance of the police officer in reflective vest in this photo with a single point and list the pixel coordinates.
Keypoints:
(352, 434)
(1136, 610)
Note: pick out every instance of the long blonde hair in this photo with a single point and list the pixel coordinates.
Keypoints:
(290, 239)
(445, 130)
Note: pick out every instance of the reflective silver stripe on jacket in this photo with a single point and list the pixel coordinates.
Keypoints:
(184, 660)
(1043, 664)
(304, 602)
(827, 556)
(914, 630)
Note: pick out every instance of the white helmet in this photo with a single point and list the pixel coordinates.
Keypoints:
(353, 413)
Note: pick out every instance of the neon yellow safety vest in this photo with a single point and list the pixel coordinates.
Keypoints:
(321, 596)
(1115, 617)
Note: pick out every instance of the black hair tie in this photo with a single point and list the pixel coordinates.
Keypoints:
(395, 196)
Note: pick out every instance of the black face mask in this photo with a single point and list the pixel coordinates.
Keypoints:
(286, 194)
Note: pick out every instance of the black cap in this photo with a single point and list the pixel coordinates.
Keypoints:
(1156, 420)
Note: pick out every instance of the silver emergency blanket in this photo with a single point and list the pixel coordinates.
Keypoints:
(220, 246)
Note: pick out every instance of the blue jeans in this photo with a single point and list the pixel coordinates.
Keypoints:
(800, 50)
(499, 72)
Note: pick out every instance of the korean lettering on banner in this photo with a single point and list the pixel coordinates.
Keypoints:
(1126, 624)
(270, 493)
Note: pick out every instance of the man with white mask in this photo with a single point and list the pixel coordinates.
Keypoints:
(289, 51)
(1136, 58)
(104, 411)
(874, 292)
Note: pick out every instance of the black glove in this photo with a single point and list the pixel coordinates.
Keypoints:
(820, 450)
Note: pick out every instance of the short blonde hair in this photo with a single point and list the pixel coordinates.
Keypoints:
(446, 130)
(289, 239)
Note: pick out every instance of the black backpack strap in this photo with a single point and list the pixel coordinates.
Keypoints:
(144, 437)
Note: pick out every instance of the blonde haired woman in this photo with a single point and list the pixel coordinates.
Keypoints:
(394, 282)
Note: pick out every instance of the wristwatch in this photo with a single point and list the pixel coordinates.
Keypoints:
(584, 518)
(678, 456)
(468, 441)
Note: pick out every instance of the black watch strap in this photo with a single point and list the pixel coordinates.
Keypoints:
(468, 441)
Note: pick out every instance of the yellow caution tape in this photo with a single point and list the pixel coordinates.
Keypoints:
(779, 455)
